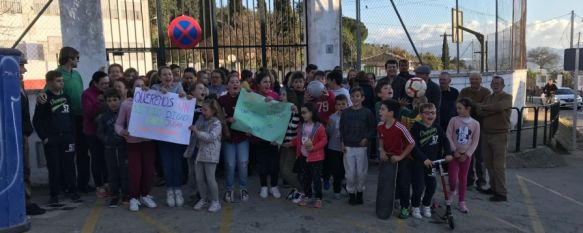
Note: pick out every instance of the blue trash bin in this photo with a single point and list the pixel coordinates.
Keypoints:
(12, 201)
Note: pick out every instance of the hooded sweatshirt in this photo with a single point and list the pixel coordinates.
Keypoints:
(54, 120)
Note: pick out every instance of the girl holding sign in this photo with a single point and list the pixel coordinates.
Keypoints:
(140, 157)
(266, 152)
(171, 153)
(236, 146)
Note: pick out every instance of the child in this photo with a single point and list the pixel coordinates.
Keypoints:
(141, 156)
(188, 79)
(325, 104)
(396, 144)
(206, 136)
(357, 128)
(198, 91)
(115, 156)
(288, 155)
(171, 153)
(296, 90)
(54, 124)
(334, 155)
(463, 133)
(310, 143)
(384, 91)
(430, 145)
(410, 116)
(334, 81)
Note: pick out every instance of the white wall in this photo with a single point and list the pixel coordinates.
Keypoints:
(82, 29)
(515, 84)
(324, 33)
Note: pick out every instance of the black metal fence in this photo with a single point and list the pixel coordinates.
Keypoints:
(527, 133)
(236, 34)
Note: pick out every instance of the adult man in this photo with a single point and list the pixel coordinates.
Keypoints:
(404, 69)
(68, 60)
(549, 90)
(476, 93)
(495, 114)
(396, 82)
(433, 93)
(27, 129)
(449, 96)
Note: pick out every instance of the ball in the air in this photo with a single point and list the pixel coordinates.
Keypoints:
(316, 89)
(415, 87)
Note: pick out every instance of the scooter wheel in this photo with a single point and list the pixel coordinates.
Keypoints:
(450, 222)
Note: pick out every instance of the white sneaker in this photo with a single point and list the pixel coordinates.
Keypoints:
(148, 201)
(263, 193)
(178, 197)
(134, 205)
(299, 197)
(275, 192)
(170, 200)
(427, 211)
(200, 204)
(416, 212)
(215, 206)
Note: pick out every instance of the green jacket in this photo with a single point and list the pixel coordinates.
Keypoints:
(73, 89)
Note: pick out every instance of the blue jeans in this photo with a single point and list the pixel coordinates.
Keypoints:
(236, 154)
(172, 159)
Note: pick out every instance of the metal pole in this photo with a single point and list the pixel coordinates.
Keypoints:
(161, 57)
(407, 32)
(572, 26)
(358, 37)
(215, 35)
(575, 103)
(457, 49)
(32, 23)
(263, 28)
(496, 42)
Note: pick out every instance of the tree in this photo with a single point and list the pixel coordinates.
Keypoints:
(432, 61)
(543, 56)
(445, 52)
(349, 39)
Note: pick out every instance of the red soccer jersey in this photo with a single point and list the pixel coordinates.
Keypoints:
(394, 138)
(326, 106)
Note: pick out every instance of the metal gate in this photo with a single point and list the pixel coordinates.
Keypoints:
(236, 34)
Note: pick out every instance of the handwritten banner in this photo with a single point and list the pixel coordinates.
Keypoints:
(163, 117)
(265, 120)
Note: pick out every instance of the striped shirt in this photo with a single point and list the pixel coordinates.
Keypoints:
(292, 128)
(395, 138)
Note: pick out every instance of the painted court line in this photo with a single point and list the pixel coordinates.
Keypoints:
(226, 218)
(91, 220)
(537, 226)
(489, 215)
(160, 227)
(551, 190)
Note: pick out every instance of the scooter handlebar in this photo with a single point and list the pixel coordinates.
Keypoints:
(439, 161)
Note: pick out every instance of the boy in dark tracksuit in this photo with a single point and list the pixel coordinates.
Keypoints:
(116, 157)
(430, 145)
(54, 123)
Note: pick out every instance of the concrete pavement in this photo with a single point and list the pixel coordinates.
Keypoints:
(540, 200)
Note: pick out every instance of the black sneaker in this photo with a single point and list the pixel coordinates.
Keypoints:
(352, 199)
(34, 209)
(86, 189)
(292, 194)
(75, 198)
(359, 198)
(498, 198)
(114, 202)
(486, 191)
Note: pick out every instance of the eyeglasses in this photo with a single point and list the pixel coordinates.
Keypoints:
(429, 112)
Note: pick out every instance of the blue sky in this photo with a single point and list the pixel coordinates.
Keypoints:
(547, 23)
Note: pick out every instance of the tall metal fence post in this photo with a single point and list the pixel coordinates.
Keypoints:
(161, 52)
(215, 35)
(263, 28)
(518, 129)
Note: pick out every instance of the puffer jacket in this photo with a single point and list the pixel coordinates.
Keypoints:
(207, 139)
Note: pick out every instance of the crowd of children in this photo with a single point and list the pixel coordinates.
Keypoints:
(331, 137)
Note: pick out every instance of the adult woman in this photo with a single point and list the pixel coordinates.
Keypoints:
(236, 145)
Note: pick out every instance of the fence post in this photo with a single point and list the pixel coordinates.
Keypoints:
(518, 128)
(546, 125)
(262, 12)
(535, 129)
(215, 35)
(161, 53)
